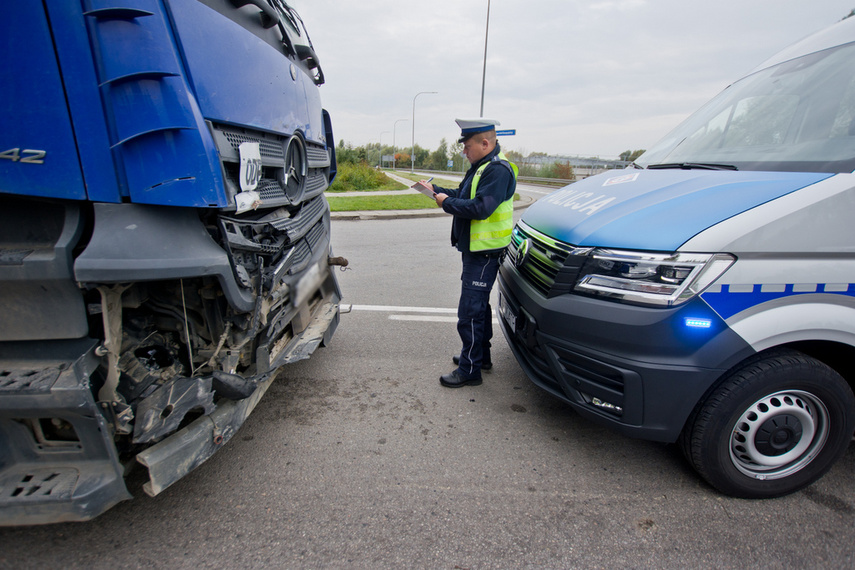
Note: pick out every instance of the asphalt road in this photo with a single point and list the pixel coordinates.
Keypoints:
(358, 458)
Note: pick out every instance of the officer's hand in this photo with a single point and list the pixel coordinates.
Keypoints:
(440, 198)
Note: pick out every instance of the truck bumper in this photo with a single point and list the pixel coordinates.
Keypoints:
(638, 370)
(78, 476)
(183, 451)
(57, 459)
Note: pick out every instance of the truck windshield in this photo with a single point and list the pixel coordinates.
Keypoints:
(796, 116)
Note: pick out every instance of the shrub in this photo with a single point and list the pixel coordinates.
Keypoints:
(357, 177)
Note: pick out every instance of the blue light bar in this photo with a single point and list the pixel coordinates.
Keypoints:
(697, 323)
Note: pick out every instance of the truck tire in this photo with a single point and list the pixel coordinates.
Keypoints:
(773, 426)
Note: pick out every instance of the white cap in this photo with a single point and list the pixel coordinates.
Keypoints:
(469, 127)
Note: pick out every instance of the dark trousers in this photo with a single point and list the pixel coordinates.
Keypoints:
(474, 314)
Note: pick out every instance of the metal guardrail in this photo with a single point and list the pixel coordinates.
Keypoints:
(551, 182)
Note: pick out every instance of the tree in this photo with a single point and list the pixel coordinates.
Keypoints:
(631, 155)
(514, 156)
(439, 157)
(346, 153)
(459, 162)
(560, 170)
(422, 157)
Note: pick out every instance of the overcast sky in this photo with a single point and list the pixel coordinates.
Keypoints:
(572, 77)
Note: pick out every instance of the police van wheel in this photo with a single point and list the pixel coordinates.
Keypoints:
(773, 426)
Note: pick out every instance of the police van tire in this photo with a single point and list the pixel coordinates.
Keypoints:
(774, 426)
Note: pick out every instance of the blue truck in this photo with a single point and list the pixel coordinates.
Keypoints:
(164, 238)
(706, 295)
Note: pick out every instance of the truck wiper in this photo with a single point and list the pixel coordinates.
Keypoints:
(270, 16)
(691, 166)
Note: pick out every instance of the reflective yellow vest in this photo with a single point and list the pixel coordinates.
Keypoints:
(495, 231)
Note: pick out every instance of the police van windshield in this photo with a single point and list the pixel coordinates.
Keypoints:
(795, 116)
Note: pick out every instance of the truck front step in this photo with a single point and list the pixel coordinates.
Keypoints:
(57, 459)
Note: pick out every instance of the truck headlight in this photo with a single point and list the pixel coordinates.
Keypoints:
(650, 278)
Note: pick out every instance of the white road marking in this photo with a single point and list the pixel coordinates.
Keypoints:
(437, 317)
(423, 318)
(399, 309)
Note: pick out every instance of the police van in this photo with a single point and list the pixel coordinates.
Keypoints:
(706, 295)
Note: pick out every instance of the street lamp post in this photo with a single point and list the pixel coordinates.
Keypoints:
(484, 72)
(393, 142)
(413, 155)
(380, 141)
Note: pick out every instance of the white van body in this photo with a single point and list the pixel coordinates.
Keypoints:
(706, 295)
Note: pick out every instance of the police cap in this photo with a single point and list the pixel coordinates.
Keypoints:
(469, 127)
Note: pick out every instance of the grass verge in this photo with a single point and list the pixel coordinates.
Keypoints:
(389, 202)
(393, 202)
(438, 181)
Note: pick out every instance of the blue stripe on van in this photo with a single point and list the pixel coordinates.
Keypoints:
(729, 300)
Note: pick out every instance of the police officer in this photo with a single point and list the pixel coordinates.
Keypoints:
(482, 207)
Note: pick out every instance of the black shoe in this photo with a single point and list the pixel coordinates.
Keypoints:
(484, 365)
(454, 380)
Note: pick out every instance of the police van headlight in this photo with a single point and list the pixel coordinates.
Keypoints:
(650, 278)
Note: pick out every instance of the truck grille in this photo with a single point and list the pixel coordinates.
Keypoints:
(269, 149)
(302, 232)
(272, 147)
(548, 265)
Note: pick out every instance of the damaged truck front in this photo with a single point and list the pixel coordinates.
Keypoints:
(164, 238)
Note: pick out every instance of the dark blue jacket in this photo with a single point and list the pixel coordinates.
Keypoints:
(497, 184)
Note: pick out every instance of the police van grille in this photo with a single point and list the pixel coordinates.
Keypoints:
(551, 267)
